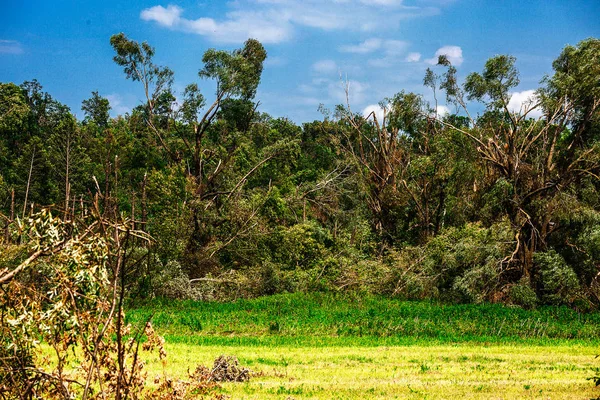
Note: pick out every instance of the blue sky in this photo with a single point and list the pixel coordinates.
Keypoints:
(379, 46)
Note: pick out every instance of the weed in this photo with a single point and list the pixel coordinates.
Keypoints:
(274, 327)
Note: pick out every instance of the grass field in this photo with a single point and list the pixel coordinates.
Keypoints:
(329, 347)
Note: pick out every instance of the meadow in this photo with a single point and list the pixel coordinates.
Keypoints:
(326, 346)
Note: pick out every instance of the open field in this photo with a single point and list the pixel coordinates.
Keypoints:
(330, 347)
(467, 371)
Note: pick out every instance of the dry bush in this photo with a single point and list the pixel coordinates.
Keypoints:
(68, 292)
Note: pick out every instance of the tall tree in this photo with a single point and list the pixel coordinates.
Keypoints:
(183, 129)
(96, 109)
(538, 159)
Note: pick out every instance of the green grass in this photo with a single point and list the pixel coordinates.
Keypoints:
(323, 346)
(328, 319)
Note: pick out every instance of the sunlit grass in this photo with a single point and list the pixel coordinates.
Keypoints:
(326, 346)
(323, 346)
(469, 371)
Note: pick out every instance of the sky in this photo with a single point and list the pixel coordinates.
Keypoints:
(315, 47)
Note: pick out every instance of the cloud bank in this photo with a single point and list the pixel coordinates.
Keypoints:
(276, 21)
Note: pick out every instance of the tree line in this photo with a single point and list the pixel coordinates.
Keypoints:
(493, 206)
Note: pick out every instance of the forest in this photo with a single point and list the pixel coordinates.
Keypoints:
(203, 197)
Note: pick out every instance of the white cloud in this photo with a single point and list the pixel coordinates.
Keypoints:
(325, 66)
(389, 47)
(391, 50)
(413, 57)
(376, 109)
(453, 53)
(275, 21)
(367, 46)
(10, 47)
(442, 111)
(168, 17)
(521, 102)
(239, 26)
(394, 47)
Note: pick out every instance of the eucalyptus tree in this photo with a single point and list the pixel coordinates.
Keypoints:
(188, 134)
(236, 74)
(411, 167)
(539, 162)
(96, 110)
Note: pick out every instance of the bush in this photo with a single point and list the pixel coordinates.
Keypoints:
(300, 246)
(478, 283)
(558, 282)
(172, 282)
(523, 295)
(405, 278)
(464, 262)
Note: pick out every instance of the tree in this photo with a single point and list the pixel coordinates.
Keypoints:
(539, 160)
(375, 148)
(96, 109)
(236, 73)
(410, 165)
(68, 159)
(136, 60)
(183, 131)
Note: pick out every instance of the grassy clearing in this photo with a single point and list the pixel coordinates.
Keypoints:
(330, 347)
(468, 371)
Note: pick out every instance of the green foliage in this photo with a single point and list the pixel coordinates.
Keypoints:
(498, 78)
(48, 301)
(406, 113)
(559, 284)
(13, 107)
(495, 207)
(193, 101)
(238, 72)
(523, 295)
(300, 246)
(575, 78)
(466, 263)
(135, 58)
(479, 284)
(96, 110)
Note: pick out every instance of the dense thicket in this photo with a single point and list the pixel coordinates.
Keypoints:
(493, 206)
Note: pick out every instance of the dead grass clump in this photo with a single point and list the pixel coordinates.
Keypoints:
(227, 369)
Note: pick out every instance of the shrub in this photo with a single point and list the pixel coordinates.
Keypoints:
(478, 283)
(523, 295)
(464, 262)
(300, 245)
(172, 282)
(558, 282)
